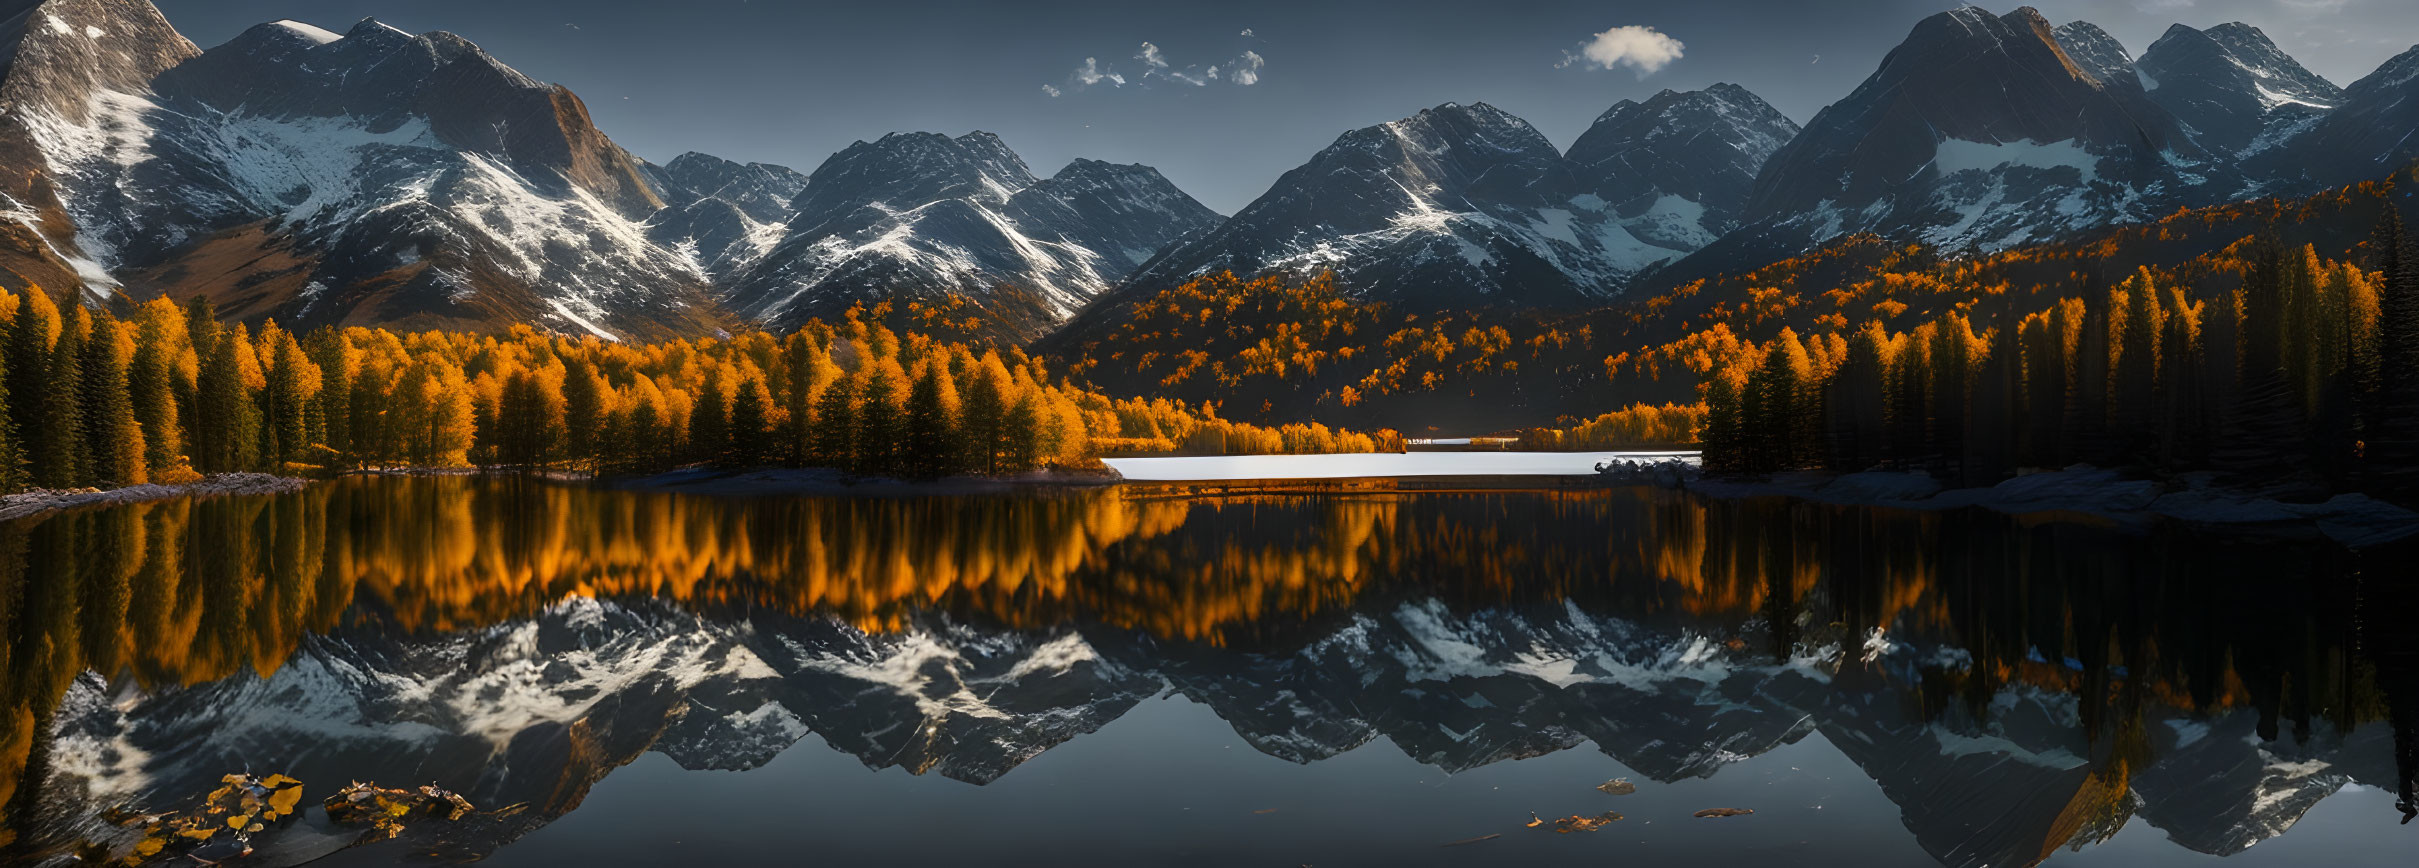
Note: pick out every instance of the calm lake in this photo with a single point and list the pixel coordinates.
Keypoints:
(1141, 675)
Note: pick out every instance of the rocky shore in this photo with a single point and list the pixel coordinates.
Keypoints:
(43, 500)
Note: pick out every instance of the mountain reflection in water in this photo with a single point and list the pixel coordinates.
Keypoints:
(2013, 686)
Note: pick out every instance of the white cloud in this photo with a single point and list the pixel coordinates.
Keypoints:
(1245, 70)
(1150, 57)
(1091, 74)
(1642, 49)
(1247, 31)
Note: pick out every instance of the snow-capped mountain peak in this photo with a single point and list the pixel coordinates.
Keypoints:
(1679, 167)
(923, 215)
(2229, 84)
(1466, 206)
(1977, 130)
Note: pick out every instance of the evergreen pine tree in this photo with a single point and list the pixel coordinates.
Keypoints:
(1023, 434)
(710, 425)
(751, 424)
(1726, 441)
(114, 444)
(285, 403)
(1991, 413)
(984, 430)
(583, 413)
(2136, 328)
(1853, 405)
(931, 444)
(835, 428)
(880, 432)
(2264, 442)
(332, 406)
(12, 452)
(1910, 398)
(29, 348)
(2183, 396)
(61, 444)
(226, 423)
(2087, 437)
(2392, 449)
(1952, 373)
(529, 423)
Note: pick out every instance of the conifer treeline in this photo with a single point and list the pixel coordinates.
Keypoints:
(1641, 426)
(2286, 381)
(168, 393)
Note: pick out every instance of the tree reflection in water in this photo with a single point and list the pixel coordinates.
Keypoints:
(2139, 634)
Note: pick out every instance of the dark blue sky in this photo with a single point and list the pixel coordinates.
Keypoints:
(790, 82)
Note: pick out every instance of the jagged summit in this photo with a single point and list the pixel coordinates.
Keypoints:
(1977, 130)
(1677, 169)
(1471, 206)
(2365, 136)
(383, 176)
(2097, 54)
(922, 215)
(2229, 85)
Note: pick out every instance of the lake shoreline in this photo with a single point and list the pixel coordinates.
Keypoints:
(38, 502)
(2354, 520)
(827, 482)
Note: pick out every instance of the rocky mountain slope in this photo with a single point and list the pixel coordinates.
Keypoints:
(1991, 131)
(2232, 88)
(722, 215)
(383, 177)
(1977, 130)
(59, 60)
(370, 177)
(1467, 206)
(1678, 168)
(918, 215)
(2366, 136)
(377, 176)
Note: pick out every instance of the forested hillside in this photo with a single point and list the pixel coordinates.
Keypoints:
(1291, 349)
(168, 392)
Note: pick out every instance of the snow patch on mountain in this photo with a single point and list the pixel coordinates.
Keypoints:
(315, 34)
(1957, 155)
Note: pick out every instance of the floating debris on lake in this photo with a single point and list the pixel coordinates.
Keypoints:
(1617, 787)
(384, 810)
(1580, 823)
(1725, 812)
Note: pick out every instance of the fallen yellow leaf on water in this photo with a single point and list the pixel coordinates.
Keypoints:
(1577, 823)
(285, 800)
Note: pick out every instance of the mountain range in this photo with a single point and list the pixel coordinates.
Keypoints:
(375, 176)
